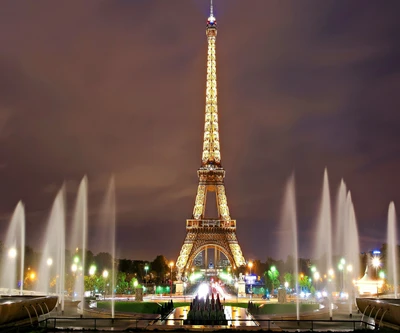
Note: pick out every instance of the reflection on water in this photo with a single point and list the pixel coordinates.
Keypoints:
(234, 315)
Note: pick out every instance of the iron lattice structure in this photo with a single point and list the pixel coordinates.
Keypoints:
(203, 233)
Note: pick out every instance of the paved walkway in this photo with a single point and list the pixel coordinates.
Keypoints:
(236, 317)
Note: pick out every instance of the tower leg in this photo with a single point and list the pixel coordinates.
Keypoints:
(206, 257)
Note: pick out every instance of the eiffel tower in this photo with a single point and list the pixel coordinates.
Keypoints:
(210, 233)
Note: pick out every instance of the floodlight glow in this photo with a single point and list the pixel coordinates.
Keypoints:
(12, 253)
(92, 270)
(203, 290)
(376, 262)
(49, 262)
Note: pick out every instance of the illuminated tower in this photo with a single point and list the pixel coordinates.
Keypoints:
(203, 233)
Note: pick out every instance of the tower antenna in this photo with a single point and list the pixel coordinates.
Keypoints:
(211, 8)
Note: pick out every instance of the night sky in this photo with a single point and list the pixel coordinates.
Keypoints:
(118, 87)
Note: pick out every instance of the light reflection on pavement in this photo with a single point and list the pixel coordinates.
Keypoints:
(235, 316)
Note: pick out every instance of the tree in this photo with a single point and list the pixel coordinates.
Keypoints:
(103, 261)
(125, 265)
(160, 267)
(288, 277)
(273, 277)
(90, 282)
(122, 285)
(304, 282)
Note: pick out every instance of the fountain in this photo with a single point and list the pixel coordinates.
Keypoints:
(15, 239)
(78, 239)
(53, 251)
(53, 255)
(340, 218)
(351, 251)
(107, 238)
(392, 260)
(323, 245)
(288, 231)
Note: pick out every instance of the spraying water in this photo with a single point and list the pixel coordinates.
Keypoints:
(52, 264)
(340, 218)
(351, 270)
(323, 244)
(108, 222)
(14, 246)
(288, 232)
(79, 238)
(392, 247)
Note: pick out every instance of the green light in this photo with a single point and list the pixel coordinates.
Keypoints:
(273, 269)
(313, 269)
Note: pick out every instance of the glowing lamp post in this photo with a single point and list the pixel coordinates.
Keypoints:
(92, 270)
(171, 264)
(316, 278)
(376, 262)
(105, 276)
(146, 268)
(237, 291)
(251, 286)
(12, 253)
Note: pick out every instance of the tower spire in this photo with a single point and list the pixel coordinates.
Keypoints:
(211, 148)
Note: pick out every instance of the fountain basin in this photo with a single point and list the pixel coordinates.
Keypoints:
(16, 308)
(378, 307)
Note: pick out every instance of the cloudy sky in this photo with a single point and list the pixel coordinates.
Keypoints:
(103, 88)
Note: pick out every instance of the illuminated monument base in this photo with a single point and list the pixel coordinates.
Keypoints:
(241, 286)
(179, 287)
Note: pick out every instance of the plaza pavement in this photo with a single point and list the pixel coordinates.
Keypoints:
(239, 319)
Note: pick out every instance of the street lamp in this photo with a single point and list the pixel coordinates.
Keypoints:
(237, 291)
(12, 253)
(376, 262)
(146, 268)
(341, 267)
(316, 278)
(105, 276)
(251, 286)
(92, 270)
(171, 264)
(272, 270)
